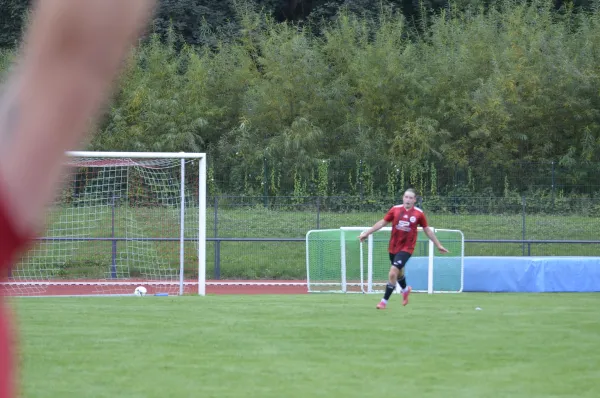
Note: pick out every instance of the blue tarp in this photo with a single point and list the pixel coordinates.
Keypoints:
(509, 274)
(532, 274)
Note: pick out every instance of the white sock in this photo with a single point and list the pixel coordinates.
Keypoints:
(384, 301)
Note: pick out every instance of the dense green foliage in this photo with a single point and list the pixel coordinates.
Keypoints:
(465, 101)
(203, 22)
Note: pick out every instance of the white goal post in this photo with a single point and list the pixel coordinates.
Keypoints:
(121, 220)
(336, 261)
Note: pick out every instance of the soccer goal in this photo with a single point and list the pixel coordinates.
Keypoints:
(121, 220)
(336, 261)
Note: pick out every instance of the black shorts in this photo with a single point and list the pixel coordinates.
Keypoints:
(399, 259)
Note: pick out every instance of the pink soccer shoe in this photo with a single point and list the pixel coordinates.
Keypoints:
(405, 295)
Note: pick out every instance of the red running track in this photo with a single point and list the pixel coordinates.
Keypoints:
(103, 287)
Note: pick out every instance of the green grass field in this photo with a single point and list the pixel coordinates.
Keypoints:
(518, 345)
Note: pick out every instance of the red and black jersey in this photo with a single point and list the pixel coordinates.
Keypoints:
(404, 228)
(11, 243)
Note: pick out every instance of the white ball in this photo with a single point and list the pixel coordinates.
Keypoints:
(140, 291)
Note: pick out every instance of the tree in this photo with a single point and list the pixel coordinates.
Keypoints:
(13, 14)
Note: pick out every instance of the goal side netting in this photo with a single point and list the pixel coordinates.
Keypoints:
(336, 261)
(120, 220)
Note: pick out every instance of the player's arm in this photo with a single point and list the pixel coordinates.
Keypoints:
(431, 235)
(71, 55)
(376, 227)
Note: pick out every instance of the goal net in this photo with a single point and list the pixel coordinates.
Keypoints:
(336, 261)
(121, 220)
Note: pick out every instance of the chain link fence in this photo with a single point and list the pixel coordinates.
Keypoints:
(262, 237)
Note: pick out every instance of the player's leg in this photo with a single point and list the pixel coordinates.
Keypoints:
(391, 284)
(405, 290)
(10, 243)
(400, 261)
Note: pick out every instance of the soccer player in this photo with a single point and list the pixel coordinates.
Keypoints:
(71, 54)
(405, 218)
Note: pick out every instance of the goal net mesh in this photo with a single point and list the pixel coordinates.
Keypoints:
(115, 224)
(337, 262)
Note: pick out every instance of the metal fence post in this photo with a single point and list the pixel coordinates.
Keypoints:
(553, 184)
(524, 221)
(265, 183)
(217, 242)
(318, 212)
(360, 182)
(217, 259)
